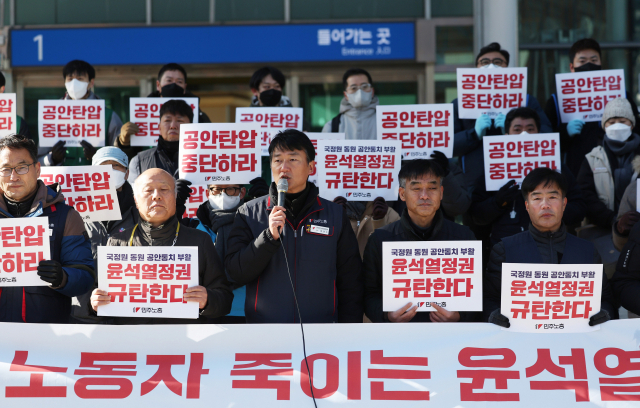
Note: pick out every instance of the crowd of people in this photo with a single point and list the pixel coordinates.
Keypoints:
(258, 260)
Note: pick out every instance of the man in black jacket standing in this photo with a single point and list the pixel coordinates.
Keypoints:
(307, 243)
(422, 220)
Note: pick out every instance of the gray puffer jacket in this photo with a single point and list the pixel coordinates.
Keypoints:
(356, 123)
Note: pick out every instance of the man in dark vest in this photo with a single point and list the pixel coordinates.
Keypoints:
(307, 243)
(546, 242)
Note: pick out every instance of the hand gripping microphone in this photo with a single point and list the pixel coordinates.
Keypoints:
(283, 186)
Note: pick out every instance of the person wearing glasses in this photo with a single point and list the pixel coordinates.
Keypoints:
(70, 270)
(357, 117)
(215, 217)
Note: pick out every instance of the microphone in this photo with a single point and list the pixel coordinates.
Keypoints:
(283, 186)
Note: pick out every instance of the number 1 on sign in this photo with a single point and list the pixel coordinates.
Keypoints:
(38, 39)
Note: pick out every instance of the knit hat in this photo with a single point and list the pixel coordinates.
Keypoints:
(618, 108)
(110, 153)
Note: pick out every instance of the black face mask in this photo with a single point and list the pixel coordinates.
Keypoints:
(270, 97)
(172, 91)
(589, 66)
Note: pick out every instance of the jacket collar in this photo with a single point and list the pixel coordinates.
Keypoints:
(544, 237)
(164, 233)
(215, 219)
(405, 222)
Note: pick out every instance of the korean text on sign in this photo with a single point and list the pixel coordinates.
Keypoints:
(71, 121)
(359, 170)
(314, 137)
(447, 273)
(199, 194)
(270, 121)
(145, 112)
(219, 153)
(543, 298)
(24, 242)
(583, 95)
(421, 128)
(490, 91)
(512, 157)
(88, 189)
(8, 124)
(148, 281)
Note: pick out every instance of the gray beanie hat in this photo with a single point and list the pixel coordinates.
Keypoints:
(618, 108)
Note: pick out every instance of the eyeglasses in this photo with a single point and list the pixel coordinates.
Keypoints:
(364, 87)
(20, 170)
(230, 191)
(496, 61)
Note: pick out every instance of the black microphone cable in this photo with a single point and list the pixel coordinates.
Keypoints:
(304, 347)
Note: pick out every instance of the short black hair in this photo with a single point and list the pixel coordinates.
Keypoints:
(524, 113)
(412, 169)
(584, 44)
(3, 81)
(78, 67)
(355, 71)
(14, 142)
(292, 139)
(493, 47)
(544, 176)
(177, 107)
(172, 66)
(258, 76)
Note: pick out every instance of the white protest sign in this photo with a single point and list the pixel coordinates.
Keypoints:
(88, 189)
(199, 194)
(148, 281)
(270, 121)
(25, 242)
(219, 153)
(314, 137)
(490, 91)
(512, 157)
(421, 128)
(8, 120)
(447, 273)
(359, 170)
(71, 121)
(583, 95)
(550, 298)
(145, 112)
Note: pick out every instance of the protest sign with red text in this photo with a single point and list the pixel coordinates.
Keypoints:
(8, 121)
(512, 157)
(199, 194)
(145, 112)
(314, 137)
(490, 91)
(421, 128)
(72, 121)
(270, 121)
(24, 242)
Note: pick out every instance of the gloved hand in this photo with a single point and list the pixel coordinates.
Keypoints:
(341, 200)
(496, 317)
(507, 193)
(126, 131)
(483, 123)
(51, 272)
(182, 187)
(58, 152)
(89, 150)
(574, 127)
(258, 188)
(599, 318)
(380, 208)
(442, 160)
(627, 221)
(498, 122)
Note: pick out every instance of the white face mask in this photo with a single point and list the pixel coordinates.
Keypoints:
(490, 66)
(223, 202)
(618, 132)
(118, 178)
(360, 98)
(524, 132)
(76, 89)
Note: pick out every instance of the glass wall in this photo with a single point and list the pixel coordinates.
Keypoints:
(352, 9)
(39, 12)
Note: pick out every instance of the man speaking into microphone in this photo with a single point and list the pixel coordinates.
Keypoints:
(306, 242)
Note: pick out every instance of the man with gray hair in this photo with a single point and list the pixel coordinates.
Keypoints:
(155, 198)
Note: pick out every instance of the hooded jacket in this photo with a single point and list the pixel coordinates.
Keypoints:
(69, 246)
(403, 230)
(356, 123)
(285, 102)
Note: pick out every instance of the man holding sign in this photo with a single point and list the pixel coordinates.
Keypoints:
(421, 188)
(70, 271)
(546, 242)
(155, 193)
